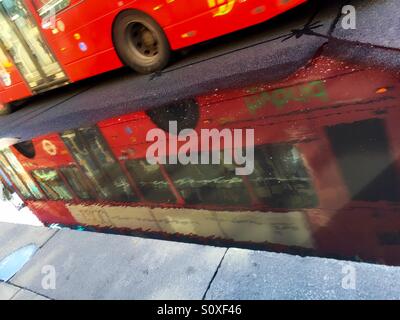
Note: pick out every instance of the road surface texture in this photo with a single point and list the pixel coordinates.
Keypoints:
(266, 52)
(102, 266)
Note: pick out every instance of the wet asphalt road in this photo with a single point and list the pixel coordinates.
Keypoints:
(266, 52)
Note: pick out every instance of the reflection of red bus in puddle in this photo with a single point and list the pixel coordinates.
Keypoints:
(48, 43)
(325, 179)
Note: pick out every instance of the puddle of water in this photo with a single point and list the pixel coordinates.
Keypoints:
(324, 141)
(11, 264)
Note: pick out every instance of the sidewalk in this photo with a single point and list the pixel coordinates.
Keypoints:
(101, 266)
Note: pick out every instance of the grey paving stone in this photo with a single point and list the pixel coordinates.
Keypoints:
(13, 237)
(246, 274)
(28, 295)
(7, 291)
(100, 266)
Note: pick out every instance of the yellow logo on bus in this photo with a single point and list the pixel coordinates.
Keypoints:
(223, 7)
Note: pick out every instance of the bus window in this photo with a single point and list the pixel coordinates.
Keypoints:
(23, 175)
(45, 7)
(150, 181)
(92, 153)
(209, 184)
(280, 178)
(362, 152)
(23, 190)
(52, 184)
(78, 182)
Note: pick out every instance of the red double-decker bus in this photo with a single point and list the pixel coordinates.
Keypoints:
(48, 43)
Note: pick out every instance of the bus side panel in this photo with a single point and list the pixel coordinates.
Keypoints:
(242, 226)
(344, 233)
(387, 231)
(93, 65)
(123, 136)
(388, 228)
(366, 233)
(232, 16)
(50, 212)
(15, 92)
(12, 84)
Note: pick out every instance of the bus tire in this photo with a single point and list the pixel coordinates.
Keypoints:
(140, 42)
(5, 109)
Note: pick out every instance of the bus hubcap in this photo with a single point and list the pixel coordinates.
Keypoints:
(144, 41)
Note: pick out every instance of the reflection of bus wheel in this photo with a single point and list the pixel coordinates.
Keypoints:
(5, 109)
(140, 42)
(186, 113)
(26, 148)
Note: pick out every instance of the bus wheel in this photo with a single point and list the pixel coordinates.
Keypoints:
(140, 42)
(5, 109)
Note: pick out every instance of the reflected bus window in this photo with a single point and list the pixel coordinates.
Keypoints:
(11, 160)
(78, 182)
(150, 181)
(280, 178)
(17, 182)
(215, 184)
(51, 183)
(91, 152)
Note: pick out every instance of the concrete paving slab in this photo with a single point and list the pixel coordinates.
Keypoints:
(246, 274)
(28, 295)
(13, 237)
(100, 266)
(7, 291)
(377, 22)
